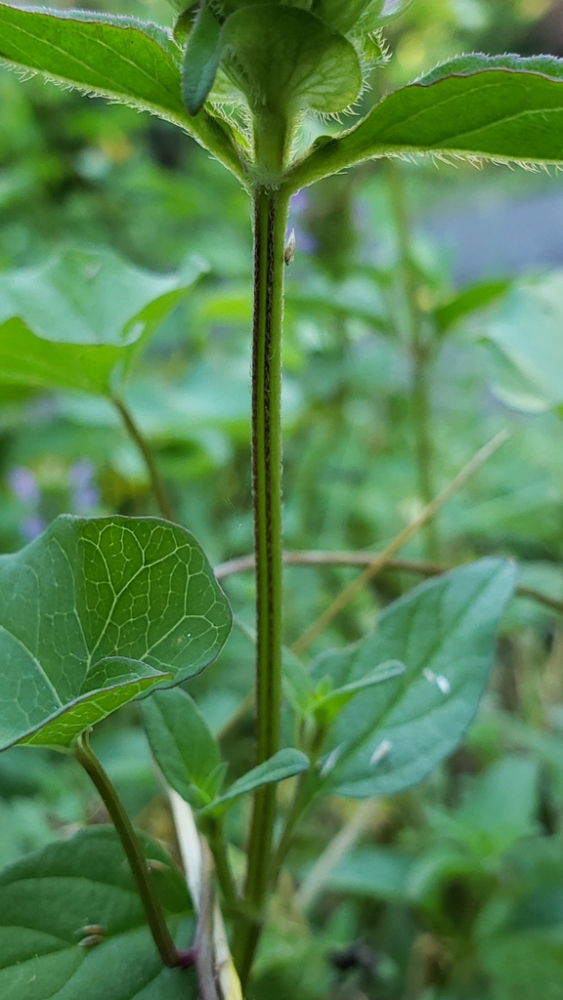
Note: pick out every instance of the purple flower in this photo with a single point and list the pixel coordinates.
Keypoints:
(85, 493)
(33, 526)
(24, 485)
(299, 202)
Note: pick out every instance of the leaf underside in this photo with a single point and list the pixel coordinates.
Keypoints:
(284, 764)
(93, 613)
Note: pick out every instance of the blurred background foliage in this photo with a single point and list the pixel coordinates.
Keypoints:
(424, 314)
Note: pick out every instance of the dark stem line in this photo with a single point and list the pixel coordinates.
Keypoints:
(134, 852)
(157, 485)
(270, 208)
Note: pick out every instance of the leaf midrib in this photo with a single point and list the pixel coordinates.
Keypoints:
(51, 45)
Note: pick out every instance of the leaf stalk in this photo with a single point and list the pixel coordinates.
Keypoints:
(134, 852)
(158, 488)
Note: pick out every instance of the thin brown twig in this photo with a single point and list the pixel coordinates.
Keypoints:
(316, 557)
(397, 543)
(312, 558)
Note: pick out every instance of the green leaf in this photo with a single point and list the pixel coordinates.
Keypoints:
(500, 107)
(115, 57)
(468, 301)
(298, 687)
(444, 632)
(284, 58)
(340, 16)
(330, 701)
(50, 897)
(376, 872)
(185, 750)
(526, 331)
(499, 807)
(284, 764)
(78, 321)
(95, 612)
(523, 965)
(201, 59)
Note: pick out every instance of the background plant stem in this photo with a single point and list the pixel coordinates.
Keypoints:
(270, 218)
(215, 831)
(157, 485)
(420, 356)
(137, 861)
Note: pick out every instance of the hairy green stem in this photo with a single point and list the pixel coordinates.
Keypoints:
(133, 850)
(270, 219)
(420, 357)
(157, 485)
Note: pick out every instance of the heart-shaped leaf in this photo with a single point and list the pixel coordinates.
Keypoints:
(184, 748)
(72, 924)
(501, 107)
(286, 59)
(284, 764)
(93, 613)
(77, 321)
(444, 632)
(115, 57)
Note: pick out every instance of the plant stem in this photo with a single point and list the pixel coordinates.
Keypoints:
(137, 861)
(420, 356)
(301, 800)
(157, 485)
(270, 219)
(215, 831)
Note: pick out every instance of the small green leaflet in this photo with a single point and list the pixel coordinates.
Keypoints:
(188, 754)
(444, 631)
(499, 107)
(201, 59)
(284, 764)
(95, 612)
(470, 300)
(183, 746)
(51, 898)
(78, 321)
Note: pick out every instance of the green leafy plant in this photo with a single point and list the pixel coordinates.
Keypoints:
(97, 613)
